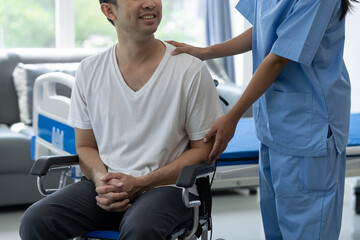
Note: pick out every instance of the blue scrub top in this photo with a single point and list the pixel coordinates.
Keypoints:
(312, 93)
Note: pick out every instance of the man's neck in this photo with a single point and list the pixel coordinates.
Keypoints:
(137, 61)
(135, 53)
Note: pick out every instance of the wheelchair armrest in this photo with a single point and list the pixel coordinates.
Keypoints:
(43, 164)
(186, 180)
(189, 174)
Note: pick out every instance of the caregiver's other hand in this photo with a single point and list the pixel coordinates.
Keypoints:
(223, 130)
(198, 52)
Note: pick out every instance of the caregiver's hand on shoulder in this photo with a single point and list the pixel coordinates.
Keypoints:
(223, 130)
(198, 52)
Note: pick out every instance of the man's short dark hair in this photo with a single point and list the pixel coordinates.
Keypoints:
(108, 1)
(113, 2)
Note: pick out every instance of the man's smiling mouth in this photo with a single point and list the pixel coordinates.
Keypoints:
(148, 17)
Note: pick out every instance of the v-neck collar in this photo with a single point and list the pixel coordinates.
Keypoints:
(152, 78)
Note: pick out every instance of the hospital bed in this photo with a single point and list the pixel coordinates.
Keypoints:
(237, 167)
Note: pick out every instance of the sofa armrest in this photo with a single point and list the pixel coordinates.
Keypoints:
(15, 155)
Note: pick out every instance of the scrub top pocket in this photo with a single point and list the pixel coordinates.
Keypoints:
(290, 118)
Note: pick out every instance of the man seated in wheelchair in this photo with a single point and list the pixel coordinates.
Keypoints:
(140, 116)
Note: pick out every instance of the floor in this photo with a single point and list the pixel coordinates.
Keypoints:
(236, 215)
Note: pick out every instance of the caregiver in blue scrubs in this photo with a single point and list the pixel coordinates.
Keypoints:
(301, 95)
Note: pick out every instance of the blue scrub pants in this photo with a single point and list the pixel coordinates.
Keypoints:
(302, 197)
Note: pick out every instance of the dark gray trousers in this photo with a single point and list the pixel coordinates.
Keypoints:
(72, 212)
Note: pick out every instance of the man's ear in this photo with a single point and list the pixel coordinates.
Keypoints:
(107, 10)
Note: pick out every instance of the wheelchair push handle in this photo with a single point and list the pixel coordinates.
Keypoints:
(216, 82)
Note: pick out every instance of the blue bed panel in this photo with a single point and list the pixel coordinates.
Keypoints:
(244, 147)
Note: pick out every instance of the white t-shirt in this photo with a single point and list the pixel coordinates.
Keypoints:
(139, 132)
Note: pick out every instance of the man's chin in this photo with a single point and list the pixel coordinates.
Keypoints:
(149, 32)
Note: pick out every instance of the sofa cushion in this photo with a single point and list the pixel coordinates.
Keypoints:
(22, 128)
(4, 128)
(24, 77)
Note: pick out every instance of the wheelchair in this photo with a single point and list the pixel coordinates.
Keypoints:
(198, 174)
(53, 147)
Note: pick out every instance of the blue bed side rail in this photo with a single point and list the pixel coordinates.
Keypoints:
(242, 149)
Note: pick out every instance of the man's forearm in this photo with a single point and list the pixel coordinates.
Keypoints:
(91, 165)
(169, 173)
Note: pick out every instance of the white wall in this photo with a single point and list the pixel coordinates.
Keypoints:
(352, 55)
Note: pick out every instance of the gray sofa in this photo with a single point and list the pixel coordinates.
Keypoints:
(17, 186)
